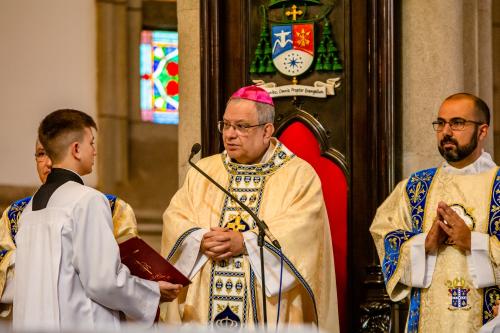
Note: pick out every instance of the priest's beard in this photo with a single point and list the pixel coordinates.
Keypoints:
(457, 153)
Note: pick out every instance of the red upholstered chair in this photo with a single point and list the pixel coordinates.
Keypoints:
(301, 138)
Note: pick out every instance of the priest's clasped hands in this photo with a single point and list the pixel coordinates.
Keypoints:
(448, 228)
(222, 243)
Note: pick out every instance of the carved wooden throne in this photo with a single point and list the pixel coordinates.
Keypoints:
(307, 138)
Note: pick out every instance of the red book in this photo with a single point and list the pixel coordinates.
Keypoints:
(144, 262)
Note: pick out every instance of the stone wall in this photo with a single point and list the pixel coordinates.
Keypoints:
(188, 16)
(445, 48)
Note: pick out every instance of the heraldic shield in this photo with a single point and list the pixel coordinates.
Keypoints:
(293, 47)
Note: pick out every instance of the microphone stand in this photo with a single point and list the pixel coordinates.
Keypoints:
(260, 243)
(260, 224)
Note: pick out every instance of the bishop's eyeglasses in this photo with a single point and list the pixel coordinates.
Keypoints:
(456, 124)
(242, 129)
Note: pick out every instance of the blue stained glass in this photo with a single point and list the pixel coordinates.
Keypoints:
(166, 118)
(146, 101)
(145, 63)
(166, 37)
(155, 65)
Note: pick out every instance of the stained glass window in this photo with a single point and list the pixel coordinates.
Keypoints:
(159, 72)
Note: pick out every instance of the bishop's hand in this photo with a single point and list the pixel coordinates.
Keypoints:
(221, 244)
(168, 291)
(495, 308)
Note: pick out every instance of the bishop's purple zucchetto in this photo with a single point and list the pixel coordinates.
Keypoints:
(253, 93)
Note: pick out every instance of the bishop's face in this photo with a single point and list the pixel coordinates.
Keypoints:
(246, 146)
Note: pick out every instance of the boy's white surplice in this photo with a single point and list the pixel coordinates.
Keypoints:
(68, 269)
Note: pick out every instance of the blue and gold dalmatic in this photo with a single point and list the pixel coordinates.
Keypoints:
(229, 293)
(492, 294)
(15, 209)
(417, 188)
(12, 215)
(458, 290)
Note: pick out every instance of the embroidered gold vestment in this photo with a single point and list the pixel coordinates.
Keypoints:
(286, 193)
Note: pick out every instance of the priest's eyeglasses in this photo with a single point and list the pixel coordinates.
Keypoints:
(456, 124)
(40, 156)
(240, 128)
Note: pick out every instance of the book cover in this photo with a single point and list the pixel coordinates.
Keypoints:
(143, 261)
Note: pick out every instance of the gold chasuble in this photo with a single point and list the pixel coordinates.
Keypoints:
(124, 227)
(453, 300)
(286, 193)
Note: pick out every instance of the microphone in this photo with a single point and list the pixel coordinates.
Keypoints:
(260, 224)
(194, 150)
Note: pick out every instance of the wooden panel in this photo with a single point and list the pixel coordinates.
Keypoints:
(332, 112)
(211, 83)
